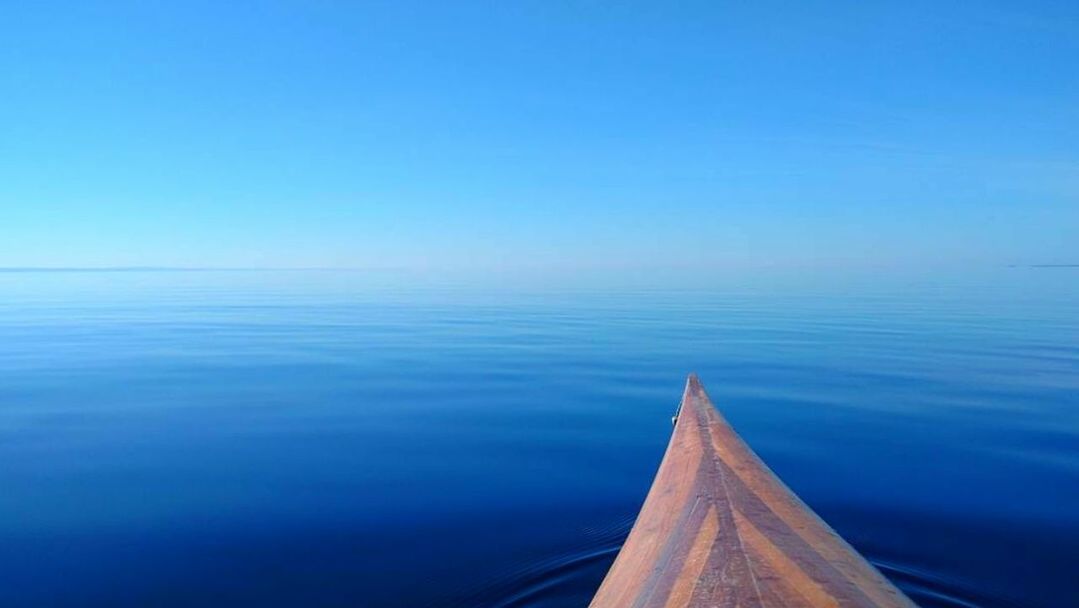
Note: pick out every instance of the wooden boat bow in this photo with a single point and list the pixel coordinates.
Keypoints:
(718, 528)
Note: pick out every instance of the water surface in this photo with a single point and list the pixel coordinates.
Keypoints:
(342, 439)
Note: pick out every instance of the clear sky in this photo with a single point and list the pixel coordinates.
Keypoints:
(552, 135)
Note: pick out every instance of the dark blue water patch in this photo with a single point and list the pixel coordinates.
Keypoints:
(273, 439)
(936, 562)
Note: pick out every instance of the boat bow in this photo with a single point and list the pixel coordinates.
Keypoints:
(718, 528)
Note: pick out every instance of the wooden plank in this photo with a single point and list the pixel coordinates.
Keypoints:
(719, 529)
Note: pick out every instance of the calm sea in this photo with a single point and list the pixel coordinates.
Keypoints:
(344, 439)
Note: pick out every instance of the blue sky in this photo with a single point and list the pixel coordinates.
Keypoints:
(539, 135)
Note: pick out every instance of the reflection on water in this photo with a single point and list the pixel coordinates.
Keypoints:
(333, 439)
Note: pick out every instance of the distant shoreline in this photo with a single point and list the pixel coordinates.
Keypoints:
(18, 269)
(124, 269)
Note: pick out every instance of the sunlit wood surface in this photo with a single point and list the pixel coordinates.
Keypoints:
(718, 529)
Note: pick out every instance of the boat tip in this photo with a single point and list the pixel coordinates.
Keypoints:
(693, 383)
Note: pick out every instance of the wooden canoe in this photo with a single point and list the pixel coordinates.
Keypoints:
(718, 528)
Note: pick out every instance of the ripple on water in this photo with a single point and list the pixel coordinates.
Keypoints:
(932, 591)
(564, 579)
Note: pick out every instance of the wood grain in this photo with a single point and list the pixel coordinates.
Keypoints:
(719, 529)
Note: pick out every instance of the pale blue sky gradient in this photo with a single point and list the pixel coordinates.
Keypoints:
(539, 135)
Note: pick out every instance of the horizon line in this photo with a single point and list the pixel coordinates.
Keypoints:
(179, 268)
(152, 268)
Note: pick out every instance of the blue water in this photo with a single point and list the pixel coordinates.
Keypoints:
(344, 439)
